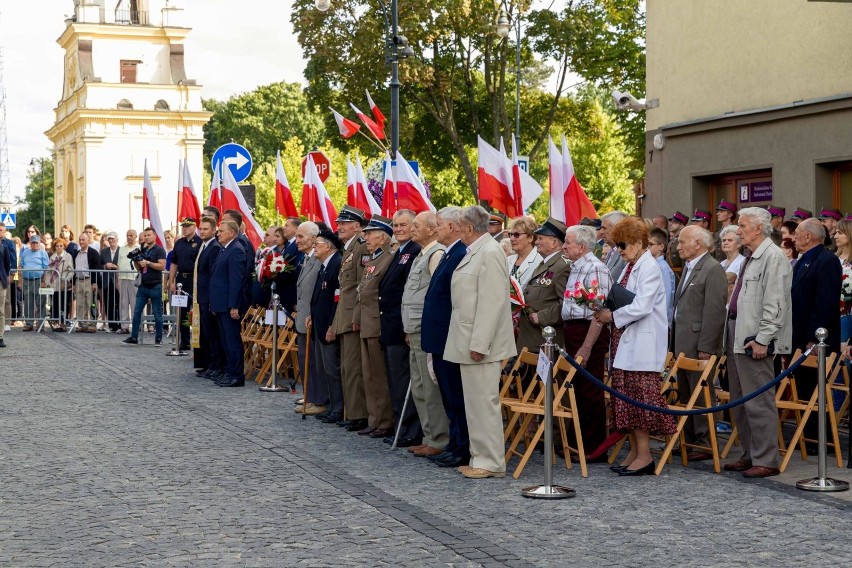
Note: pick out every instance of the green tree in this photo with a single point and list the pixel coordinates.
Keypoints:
(36, 206)
(261, 120)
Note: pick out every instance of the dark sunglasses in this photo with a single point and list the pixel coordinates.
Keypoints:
(621, 246)
(516, 235)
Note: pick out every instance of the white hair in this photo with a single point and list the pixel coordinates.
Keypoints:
(730, 229)
(758, 217)
(451, 214)
(583, 235)
(477, 217)
(309, 227)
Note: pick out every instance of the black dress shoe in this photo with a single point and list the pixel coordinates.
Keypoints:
(200, 372)
(357, 425)
(441, 457)
(402, 442)
(381, 432)
(332, 418)
(617, 468)
(344, 423)
(453, 462)
(647, 470)
(232, 383)
(322, 415)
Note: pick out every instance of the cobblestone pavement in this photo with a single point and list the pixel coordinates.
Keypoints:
(118, 456)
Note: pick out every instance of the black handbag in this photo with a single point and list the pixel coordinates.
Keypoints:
(618, 297)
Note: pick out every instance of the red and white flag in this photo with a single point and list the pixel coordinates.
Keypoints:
(495, 179)
(388, 190)
(150, 213)
(316, 202)
(283, 196)
(187, 199)
(347, 128)
(232, 198)
(568, 200)
(369, 123)
(215, 198)
(357, 194)
(410, 191)
(530, 189)
(377, 112)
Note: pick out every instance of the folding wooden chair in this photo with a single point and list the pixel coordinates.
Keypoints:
(787, 399)
(701, 390)
(564, 407)
(287, 353)
(512, 387)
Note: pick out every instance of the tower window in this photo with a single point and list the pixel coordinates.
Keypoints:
(128, 71)
(124, 104)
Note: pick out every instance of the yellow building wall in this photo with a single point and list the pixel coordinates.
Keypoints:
(707, 58)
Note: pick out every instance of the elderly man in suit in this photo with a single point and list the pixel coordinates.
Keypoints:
(817, 277)
(355, 256)
(366, 320)
(424, 392)
(546, 289)
(481, 336)
(287, 282)
(759, 317)
(613, 258)
(435, 327)
(396, 349)
(325, 356)
(209, 353)
(304, 239)
(699, 320)
(227, 287)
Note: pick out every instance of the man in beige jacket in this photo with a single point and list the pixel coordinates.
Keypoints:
(480, 338)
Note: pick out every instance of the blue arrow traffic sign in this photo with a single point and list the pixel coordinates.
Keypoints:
(8, 219)
(235, 157)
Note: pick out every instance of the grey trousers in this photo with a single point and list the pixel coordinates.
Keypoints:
(427, 398)
(756, 420)
(126, 302)
(399, 377)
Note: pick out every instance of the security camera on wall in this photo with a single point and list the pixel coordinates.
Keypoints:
(626, 101)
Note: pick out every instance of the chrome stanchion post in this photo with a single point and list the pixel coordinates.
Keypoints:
(821, 482)
(274, 387)
(548, 490)
(176, 352)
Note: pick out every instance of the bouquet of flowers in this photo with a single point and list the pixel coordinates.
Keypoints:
(846, 290)
(588, 297)
(271, 265)
(517, 302)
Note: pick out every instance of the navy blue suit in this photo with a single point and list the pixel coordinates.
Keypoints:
(285, 284)
(435, 328)
(5, 266)
(226, 293)
(325, 356)
(209, 355)
(392, 337)
(816, 303)
(245, 300)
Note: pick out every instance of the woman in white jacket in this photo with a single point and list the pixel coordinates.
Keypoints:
(59, 277)
(639, 342)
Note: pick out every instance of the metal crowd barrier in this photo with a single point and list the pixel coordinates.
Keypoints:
(66, 300)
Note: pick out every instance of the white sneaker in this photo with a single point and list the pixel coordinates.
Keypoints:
(7, 328)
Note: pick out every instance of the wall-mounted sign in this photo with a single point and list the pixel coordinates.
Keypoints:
(756, 191)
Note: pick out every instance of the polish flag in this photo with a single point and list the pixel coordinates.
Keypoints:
(525, 188)
(388, 190)
(187, 199)
(369, 123)
(215, 199)
(316, 203)
(377, 113)
(232, 198)
(149, 208)
(568, 201)
(495, 178)
(347, 128)
(410, 191)
(357, 194)
(283, 196)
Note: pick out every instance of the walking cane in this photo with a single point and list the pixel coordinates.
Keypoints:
(401, 414)
(305, 374)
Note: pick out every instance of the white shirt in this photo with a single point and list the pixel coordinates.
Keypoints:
(688, 269)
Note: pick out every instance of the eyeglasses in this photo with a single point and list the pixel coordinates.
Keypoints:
(621, 246)
(516, 235)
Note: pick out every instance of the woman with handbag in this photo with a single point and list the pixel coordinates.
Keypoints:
(638, 346)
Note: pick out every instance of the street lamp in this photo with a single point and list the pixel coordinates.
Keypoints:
(398, 48)
(503, 27)
(43, 215)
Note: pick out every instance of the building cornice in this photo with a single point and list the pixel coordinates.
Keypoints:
(121, 31)
(150, 117)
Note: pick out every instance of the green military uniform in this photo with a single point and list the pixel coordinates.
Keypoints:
(543, 295)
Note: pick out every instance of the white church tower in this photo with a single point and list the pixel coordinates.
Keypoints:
(125, 99)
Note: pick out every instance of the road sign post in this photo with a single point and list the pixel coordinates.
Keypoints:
(9, 219)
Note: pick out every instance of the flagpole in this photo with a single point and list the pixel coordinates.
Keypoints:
(180, 192)
(374, 142)
(277, 210)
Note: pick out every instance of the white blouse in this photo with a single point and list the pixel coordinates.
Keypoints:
(524, 271)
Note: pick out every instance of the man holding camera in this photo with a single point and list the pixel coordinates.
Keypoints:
(150, 261)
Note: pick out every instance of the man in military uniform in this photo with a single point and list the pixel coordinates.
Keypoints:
(726, 214)
(701, 217)
(495, 227)
(676, 222)
(182, 270)
(367, 320)
(355, 256)
(829, 219)
(546, 289)
(800, 214)
(776, 221)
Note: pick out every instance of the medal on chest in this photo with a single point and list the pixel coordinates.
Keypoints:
(403, 258)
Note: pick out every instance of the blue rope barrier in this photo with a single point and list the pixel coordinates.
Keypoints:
(694, 412)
